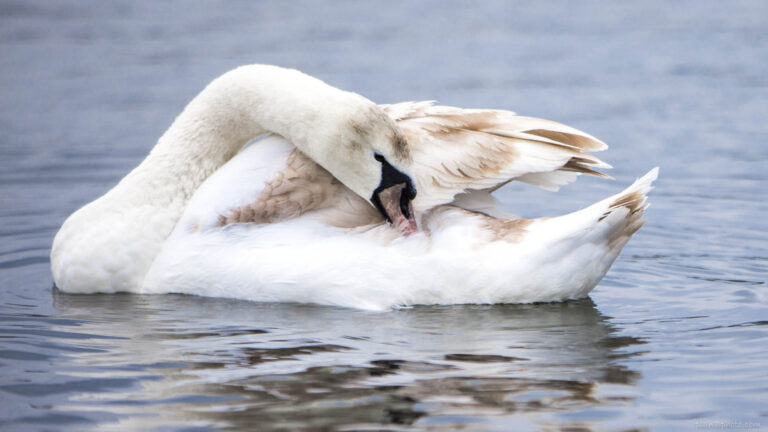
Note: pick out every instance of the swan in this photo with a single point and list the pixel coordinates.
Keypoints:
(345, 202)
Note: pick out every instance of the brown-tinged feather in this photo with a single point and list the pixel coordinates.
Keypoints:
(574, 164)
(458, 149)
(633, 201)
(300, 187)
(511, 231)
(579, 141)
(304, 186)
(499, 229)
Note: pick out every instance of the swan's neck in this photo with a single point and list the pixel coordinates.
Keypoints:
(232, 110)
(109, 244)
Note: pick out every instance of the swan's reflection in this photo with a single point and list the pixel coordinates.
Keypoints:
(238, 364)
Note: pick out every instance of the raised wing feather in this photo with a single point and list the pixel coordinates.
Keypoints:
(457, 149)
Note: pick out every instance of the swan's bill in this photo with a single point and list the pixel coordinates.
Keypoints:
(397, 210)
(393, 198)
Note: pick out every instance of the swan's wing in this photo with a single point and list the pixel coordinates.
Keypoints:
(272, 181)
(297, 187)
(457, 149)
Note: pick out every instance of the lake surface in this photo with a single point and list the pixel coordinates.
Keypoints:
(674, 338)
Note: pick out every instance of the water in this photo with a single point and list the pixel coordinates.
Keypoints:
(674, 338)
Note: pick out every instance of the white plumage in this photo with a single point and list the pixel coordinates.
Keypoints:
(272, 225)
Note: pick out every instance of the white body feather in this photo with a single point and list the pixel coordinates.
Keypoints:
(458, 261)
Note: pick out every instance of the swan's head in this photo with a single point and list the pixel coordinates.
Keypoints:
(373, 159)
(393, 197)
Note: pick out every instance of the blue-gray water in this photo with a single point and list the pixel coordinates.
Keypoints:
(674, 338)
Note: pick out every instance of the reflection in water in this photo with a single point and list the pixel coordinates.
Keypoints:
(235, 364)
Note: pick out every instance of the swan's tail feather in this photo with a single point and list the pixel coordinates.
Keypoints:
(635, 200)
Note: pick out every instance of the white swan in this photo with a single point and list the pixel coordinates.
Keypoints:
(273, 225)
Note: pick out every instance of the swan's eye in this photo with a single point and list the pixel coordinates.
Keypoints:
(378, 157)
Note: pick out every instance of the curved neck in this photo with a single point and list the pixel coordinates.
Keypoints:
(232, 110)
(140, 212)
